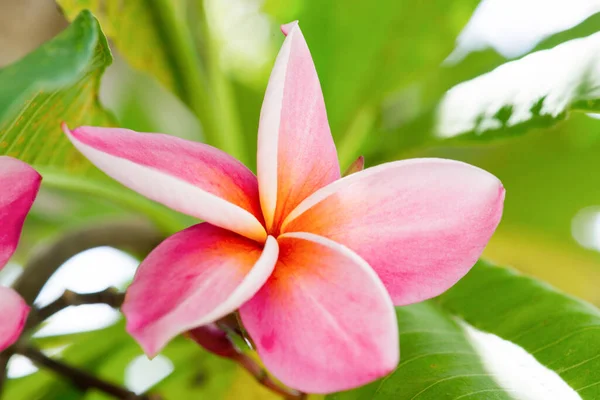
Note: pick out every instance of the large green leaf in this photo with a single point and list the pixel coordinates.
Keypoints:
(537, 90)
(59, 82)
(440, 359)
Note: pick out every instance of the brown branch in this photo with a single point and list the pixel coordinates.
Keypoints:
(110, 296)
(138, 237)
(81, 379)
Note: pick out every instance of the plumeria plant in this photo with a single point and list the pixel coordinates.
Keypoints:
(362, 285)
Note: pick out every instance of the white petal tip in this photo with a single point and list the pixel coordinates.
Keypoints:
(287, 28)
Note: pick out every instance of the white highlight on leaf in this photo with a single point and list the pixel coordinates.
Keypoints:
(585, 227)
(10, 274)
(517, 371)
(244, 36)
(558, 76)
(19, 367)
(87, 272)
(79, 319)
(141, 374)
(514, 27)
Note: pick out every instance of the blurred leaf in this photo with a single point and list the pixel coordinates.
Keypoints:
(588, 27)
(143, 32)
(537, 90)
(59, 82)
(408, 117)
(87, 350)
(439, 361)
(108, 352)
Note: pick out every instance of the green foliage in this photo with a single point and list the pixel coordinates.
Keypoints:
(517, 97)
(439, 361)
(57, 82)
(140, 30)
(153, 37)
(60, 82)
(365, 53)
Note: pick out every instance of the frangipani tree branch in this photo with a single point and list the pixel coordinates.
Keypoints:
(114, 298)
(110, 296)
(79, 378)
(138, 237)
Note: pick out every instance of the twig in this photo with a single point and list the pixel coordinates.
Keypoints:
(139, 237)
(4, 357)
(79, 378)
(264, 379)
(110, 296)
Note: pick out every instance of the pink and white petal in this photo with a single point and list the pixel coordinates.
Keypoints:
(13, 314)
(190, 177)
(296, 153)
(19, 185)
(323, 322)
(193, 278)
(421, 224)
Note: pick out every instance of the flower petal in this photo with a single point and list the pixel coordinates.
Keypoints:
(323, 322)
(193, 278)
(13, 314)
(193, 178)
(421, 224)
(19, 185)
(296, 153)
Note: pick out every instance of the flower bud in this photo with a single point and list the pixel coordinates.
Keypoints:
(214, 340)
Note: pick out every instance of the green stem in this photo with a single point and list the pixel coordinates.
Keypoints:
(224, 108)
(204, 87)
(356, 135)
(194, 89)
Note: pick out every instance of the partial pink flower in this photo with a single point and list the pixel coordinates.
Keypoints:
(19, 184)
(313, 262)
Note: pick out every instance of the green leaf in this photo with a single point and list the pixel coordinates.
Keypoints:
(169, 40)
(59, 82)
(538, 90)
(440, 360)
(143, 31)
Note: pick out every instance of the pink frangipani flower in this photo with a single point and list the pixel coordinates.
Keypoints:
(19, 184)
(315, 263)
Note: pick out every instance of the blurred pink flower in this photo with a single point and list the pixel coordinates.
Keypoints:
(19, 184)
(313, 262)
